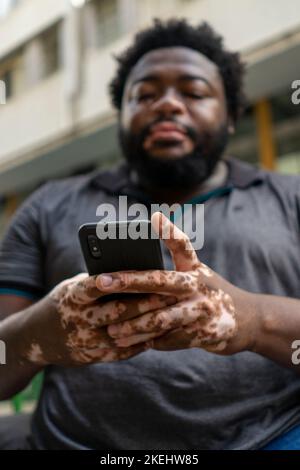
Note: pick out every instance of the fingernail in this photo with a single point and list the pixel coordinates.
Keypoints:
(105, 280)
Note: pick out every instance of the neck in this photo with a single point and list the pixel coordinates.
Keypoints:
(180, 195)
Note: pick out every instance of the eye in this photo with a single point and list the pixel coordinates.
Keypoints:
(146, 96)
(195, 96)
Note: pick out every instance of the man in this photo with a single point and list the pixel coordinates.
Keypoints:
(204, 359)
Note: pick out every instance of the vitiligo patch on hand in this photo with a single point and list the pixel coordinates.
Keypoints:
(35, 354)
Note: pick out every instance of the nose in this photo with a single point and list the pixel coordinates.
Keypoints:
(169, 104)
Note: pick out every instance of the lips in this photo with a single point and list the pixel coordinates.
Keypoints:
(164, 132)
(167, 129)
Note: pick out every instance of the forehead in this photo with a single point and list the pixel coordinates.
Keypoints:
(169, 60)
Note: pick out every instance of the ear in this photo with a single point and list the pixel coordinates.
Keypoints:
(230, 126)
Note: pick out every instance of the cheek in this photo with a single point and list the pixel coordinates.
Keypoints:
(125, 118)
(133, 118)
(209, 114)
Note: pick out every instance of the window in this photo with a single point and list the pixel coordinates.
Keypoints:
(32, 63)
(41, 56)
(11, 72)
(50, 46)
(107, 21)
(7, 79)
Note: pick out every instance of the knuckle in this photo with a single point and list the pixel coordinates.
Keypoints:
(117, 309)
(162, 320)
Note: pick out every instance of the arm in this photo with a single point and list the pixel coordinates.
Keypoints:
(14, 376)
(67, 327)
(279, 328)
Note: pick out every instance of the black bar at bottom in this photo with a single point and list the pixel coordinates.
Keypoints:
(142, 459)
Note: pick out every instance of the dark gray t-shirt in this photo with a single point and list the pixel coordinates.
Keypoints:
(187, 399)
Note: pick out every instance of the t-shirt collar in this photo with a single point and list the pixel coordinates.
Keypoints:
(122, 179)
(243, 175)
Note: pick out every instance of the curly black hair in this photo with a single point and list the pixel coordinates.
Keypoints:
(177, 32)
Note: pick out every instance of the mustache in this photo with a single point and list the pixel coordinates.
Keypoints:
(190, 131)
(189, 171)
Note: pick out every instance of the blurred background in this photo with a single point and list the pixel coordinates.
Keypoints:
(56, 61)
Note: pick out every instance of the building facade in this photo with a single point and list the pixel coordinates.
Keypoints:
(56, 62)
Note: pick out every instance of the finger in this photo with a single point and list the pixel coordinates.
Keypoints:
(137, 339)
(185, 338)
(173, 340)
(179, 244)
(151, 281)
(105, 313)
(83, 290)
(212, 336)
(161, 320)
(89, 338)
(107, 355)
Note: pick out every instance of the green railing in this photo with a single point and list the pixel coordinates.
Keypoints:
(29, 394)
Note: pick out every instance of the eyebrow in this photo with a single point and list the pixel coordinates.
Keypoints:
(183, 78)
(146, 78)
(188, 77)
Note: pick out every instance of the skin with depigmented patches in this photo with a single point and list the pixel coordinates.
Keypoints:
(35, 353)
(208, 320)
(216, 329)
(183, 308)
(205, 270)
(204, 315)
(76, 320)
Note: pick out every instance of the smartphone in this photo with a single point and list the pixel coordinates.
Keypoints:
(119, 248)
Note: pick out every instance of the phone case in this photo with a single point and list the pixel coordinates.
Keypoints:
(117, 254)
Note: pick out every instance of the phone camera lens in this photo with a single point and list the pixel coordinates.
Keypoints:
(94, 246)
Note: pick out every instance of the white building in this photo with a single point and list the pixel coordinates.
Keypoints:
(56, 62)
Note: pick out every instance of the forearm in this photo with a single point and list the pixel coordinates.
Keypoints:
(279, 328)
(17, 371)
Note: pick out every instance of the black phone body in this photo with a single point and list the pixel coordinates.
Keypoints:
(118, 251)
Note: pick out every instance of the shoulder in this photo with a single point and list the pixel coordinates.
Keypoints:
(286, 185)
(291, 181)
(58, 191)
(245, 174)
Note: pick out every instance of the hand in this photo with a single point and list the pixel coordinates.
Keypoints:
(210, 313)
(69, 326)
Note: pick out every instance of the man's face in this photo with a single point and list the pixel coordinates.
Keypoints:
(173, 121)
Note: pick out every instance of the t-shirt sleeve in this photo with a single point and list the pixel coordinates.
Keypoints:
(22, 250)
(298, 205)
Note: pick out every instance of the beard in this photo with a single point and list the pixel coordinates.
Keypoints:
(189, 170)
